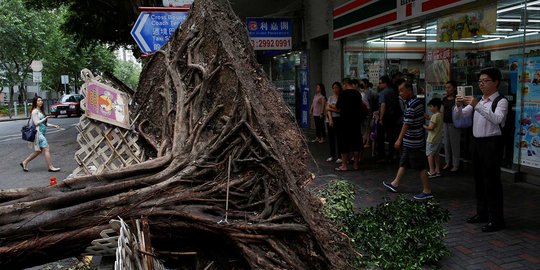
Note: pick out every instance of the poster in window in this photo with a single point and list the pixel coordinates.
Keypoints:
(467, 24)
(527, 143)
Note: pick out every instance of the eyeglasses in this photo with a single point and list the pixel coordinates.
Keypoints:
(484, 81)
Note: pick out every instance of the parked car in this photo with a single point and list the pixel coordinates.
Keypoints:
(68, 105)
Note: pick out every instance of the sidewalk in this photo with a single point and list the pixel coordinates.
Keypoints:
(516, 247)
(13, 118)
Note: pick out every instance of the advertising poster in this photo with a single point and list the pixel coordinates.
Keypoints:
(467, 24)
(438, 65)
(527, 146)
(106, 104)
(270, 33)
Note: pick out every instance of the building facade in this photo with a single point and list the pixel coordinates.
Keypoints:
(433, 42)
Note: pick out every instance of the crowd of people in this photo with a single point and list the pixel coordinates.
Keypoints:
(396, 121)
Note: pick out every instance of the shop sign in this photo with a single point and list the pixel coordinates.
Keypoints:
(154, 28)
(106, 104)
(467, 25)
(359, 16)
(527, 145)
(270, 34)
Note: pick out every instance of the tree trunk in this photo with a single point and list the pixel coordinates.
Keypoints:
(219, 134)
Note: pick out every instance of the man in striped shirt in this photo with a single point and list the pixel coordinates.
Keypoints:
(412, 140)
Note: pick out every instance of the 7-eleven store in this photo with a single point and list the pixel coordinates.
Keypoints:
(435, 41)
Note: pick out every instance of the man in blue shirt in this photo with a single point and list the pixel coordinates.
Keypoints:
(412, 140)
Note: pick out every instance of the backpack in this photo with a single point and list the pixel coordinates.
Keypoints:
(508, 128)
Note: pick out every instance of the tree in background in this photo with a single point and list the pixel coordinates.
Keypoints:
(105, 22)
(64, 57)
(128, 72)
(23, 32)
(32, 34)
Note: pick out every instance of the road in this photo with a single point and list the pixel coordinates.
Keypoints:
(62, 143)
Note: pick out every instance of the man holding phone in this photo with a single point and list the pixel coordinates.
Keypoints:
(487, 150)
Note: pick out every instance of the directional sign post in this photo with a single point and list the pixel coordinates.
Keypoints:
(154, 28)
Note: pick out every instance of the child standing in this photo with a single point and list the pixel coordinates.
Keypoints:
(434, 138)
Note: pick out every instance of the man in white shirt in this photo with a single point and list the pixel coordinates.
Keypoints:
(487, 148)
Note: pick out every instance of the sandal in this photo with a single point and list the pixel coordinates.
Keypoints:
(23, 168)
(339, 169)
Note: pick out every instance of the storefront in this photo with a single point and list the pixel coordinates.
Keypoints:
(436, 41)
(276, 43)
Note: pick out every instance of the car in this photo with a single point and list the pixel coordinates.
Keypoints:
(67, 105)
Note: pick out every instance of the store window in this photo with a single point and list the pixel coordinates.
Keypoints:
(455, 45)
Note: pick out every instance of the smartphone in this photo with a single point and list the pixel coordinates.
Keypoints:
(465, 91)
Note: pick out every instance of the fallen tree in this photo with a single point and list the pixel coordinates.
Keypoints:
(226, 175)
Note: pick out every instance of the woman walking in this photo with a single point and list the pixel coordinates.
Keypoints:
(317, 110)
(40, 143)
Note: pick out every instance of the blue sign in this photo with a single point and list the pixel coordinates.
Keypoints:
(153, 29)
(304, 91)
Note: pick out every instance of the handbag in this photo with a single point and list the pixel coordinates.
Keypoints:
(29, 132)
(460, 121)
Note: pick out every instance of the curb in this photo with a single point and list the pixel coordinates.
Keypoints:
(7, 119)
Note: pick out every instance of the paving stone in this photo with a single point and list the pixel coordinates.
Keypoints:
(470, 248)
(531, 259)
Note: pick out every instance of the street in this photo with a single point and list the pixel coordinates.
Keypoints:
(62, 143)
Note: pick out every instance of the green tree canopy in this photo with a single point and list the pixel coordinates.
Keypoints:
(105, 22)
(128, 73)
(23, 32)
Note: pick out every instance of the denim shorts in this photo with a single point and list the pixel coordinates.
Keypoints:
(432, 148)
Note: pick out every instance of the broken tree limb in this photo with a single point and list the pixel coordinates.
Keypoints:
(197, 112)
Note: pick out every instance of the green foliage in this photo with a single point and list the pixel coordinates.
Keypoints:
(66, 58)
(398, 234)
(128, 73)
(339, 203)
(24, 33)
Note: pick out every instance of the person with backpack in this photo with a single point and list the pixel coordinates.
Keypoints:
(489, 115)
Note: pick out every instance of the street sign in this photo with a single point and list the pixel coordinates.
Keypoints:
(36, 77)
(154, 28)
(270, 33)
(36, 65)
(64, 79)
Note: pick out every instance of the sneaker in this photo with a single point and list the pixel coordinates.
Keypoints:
(423, 196)
(338, 161)
(329, 159)
(390, 186)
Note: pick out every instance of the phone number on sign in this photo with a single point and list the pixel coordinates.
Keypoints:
(268, 44)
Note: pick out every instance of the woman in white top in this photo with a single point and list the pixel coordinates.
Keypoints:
(317, 110)
(40, 144)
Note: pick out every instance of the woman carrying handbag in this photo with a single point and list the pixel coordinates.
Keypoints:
(40, 142)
